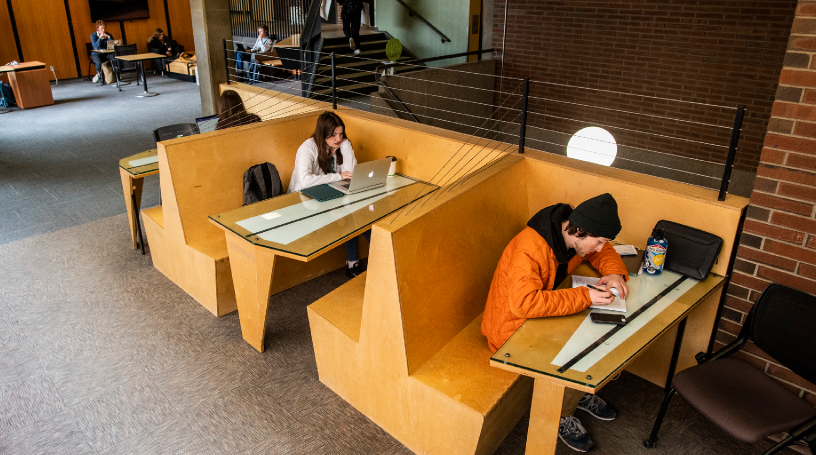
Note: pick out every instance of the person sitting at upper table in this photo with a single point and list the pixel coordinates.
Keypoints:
(556, 240)
(232, 111)
(262, 44)
(158, 43)
(99, 41)
(328, 157)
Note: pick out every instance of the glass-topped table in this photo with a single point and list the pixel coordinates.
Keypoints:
(295, 226)
(571, 351)
(132, 170)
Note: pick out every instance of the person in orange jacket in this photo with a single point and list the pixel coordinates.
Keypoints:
(556, 240)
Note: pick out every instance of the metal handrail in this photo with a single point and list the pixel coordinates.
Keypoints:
(411, 12)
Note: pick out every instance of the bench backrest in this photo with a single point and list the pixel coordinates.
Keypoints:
(202, 174)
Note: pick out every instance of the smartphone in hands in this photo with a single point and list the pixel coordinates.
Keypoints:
(605, 318)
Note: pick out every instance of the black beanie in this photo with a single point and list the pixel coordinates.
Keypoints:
(598, 216)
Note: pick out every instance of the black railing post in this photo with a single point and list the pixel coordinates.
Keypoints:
(523, 126)
(334, 84)
(732, 150)
(226, 60)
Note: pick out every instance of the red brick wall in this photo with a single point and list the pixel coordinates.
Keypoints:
(723, 53)
(778, 243)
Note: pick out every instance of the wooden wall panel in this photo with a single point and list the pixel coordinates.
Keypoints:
(181, 23)
(8, 51)
(44, 36)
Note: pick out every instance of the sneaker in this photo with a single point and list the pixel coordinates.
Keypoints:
(354, 271)
(574, 435)
(356, 51)
(351, 44)
(96, 78)
(597, 407)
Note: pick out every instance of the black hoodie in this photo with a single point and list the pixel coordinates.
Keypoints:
(547, 223)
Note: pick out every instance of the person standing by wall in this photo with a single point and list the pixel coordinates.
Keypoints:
(99, 41)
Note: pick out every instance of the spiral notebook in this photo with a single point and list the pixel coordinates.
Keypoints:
(618, 304)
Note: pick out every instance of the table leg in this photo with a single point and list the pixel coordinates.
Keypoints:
(252, 268)
(545, 414)
(144, 82)
(678, 343)
(132, 189)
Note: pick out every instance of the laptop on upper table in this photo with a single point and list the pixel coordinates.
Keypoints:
(366, 176)
(114, 42)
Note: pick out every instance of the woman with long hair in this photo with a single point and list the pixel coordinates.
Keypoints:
(328, 157)
(232, 112)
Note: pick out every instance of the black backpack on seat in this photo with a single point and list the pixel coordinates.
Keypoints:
(261, 181)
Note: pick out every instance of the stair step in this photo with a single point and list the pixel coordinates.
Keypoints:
(351, 54)
(362, 43)
(356, 63)
(320, 80)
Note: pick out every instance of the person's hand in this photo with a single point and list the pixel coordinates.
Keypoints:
(617, 282)
(169, 54)
(599, 297)
(346, 175)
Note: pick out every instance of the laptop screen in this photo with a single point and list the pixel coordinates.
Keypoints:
(206, 124)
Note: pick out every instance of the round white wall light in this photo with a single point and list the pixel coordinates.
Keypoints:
(593, 144)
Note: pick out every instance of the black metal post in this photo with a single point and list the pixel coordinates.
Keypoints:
(226, 60)
(523, 127)
(732, 150)
(334, 84)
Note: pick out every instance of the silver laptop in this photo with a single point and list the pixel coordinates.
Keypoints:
(114, 42)
(365, 177)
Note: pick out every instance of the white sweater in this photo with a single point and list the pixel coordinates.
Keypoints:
(307, 172)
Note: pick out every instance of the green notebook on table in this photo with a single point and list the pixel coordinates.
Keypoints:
(322, 192)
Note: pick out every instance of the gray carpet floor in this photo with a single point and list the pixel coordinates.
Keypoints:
(59, 164)
(101, 354)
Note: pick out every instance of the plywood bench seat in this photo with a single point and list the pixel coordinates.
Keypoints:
(461, 370)
(343, 307)
(214, 246)
(156, 214)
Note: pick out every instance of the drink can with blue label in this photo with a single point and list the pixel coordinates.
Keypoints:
(655, 255)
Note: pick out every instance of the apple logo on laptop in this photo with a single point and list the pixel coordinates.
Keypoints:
(371, 174)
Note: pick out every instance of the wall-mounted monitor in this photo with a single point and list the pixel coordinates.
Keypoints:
(118, 10)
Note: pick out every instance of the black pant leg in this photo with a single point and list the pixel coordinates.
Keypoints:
(355, 29)
(97, 59)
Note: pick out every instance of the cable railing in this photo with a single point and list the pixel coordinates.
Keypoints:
(649, 135)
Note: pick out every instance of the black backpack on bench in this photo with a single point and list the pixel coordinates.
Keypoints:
(261, 182)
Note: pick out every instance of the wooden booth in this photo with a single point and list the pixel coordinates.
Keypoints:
(402, 343)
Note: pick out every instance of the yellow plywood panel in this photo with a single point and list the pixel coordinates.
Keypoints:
(642, 200)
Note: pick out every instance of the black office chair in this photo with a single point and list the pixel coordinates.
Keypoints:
(743, 401)
(174, 131)
(121, 66)
(89, 49)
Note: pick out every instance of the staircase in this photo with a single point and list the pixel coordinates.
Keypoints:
(354, 73)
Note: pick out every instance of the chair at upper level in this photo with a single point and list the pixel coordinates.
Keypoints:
(741, 400)
(121, 66)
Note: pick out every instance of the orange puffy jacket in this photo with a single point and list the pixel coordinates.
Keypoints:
(523, 282)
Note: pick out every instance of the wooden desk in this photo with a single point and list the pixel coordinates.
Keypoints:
(30, 83)
(297, 227)
(141, 58)
(651, 345)
(132, 170)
